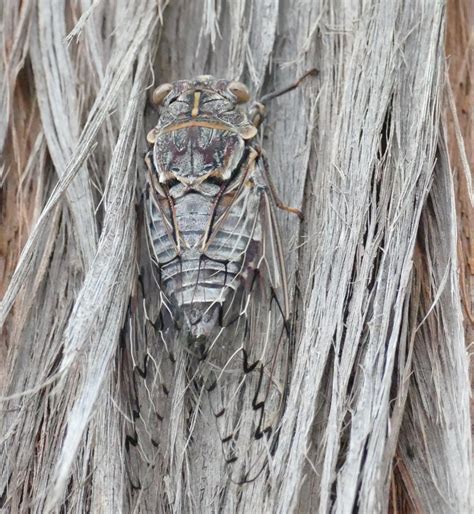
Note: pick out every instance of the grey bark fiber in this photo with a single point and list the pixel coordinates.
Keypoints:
(379, 371)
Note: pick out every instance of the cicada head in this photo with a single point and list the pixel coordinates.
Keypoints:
(201, 130)
(223, 94)
(202, 100)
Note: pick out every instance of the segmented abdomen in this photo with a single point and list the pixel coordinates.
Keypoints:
(204, 272)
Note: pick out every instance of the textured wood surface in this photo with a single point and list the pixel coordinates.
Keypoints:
(377, 417)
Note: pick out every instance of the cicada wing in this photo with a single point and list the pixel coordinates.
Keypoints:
(221, 406)
(247, 364)
(160, 226)
(148, 369)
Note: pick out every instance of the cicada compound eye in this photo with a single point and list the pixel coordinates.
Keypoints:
(240, 92)
(160, 93)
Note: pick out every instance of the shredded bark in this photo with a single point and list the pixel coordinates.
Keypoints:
(377, 416)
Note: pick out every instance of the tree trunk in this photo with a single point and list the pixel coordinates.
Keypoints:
(377, 412)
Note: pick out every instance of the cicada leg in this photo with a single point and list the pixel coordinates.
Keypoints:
(257, 113)
(294, 85)
(257, 110)
(278, 202)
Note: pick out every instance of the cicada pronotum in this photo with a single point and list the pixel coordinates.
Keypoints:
(213, 349)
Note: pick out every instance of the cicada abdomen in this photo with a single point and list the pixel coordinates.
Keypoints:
(219, 274)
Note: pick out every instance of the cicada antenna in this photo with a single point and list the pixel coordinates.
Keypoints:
(257, 111)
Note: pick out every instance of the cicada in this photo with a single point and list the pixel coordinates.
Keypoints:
(218, 355)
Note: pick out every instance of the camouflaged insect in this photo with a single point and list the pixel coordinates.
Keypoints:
(216, 348)
(210, 202)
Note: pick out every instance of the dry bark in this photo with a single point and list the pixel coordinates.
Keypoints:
(378, 408)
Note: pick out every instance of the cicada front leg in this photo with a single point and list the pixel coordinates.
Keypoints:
(256, 113)
(257, 110)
